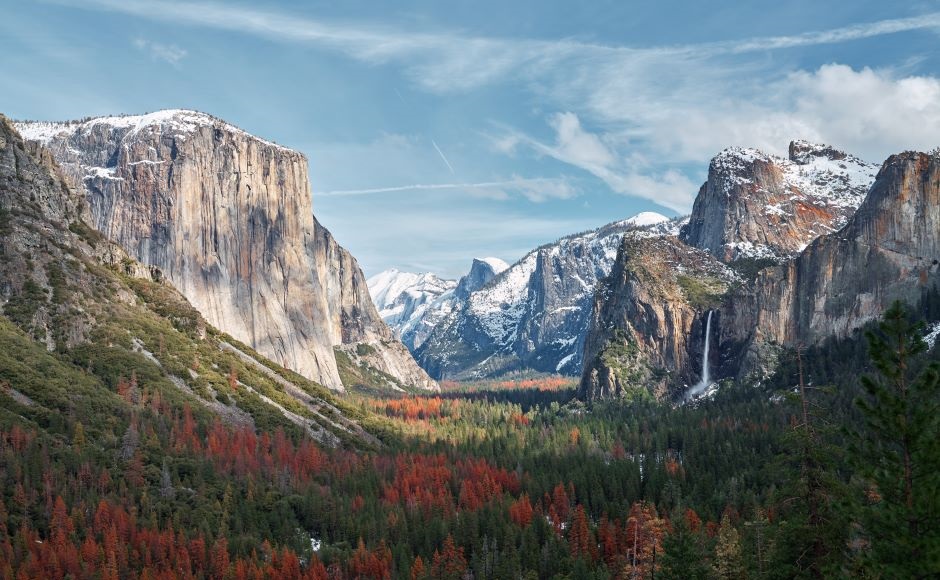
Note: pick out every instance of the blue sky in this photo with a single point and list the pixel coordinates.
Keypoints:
(439, 131)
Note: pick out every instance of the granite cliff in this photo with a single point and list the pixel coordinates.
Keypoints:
(798, 250)
(648, 318)
(81, 317)
(888, 250)
(227, 218)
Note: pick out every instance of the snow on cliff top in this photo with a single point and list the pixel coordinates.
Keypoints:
(177, 121)
(646, 218)
(495, 263)
(819, 171)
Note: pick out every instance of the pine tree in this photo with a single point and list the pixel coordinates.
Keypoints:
(580, 540)
(810, 539)
(729, 564)
(898, 452)
(683, 554)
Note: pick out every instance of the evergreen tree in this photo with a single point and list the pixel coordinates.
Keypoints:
(729, 564)
(809, 541)
(898, 453)
(683, 554)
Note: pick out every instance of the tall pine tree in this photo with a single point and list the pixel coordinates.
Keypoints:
(898, 453)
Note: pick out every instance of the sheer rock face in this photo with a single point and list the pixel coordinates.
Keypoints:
(762, 206)
(890, 249)
(227, 218)
(648, 319)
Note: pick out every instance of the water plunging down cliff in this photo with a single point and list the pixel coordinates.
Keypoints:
(228, 220)
(699, 387)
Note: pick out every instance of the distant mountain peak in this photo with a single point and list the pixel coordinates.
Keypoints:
(759, 205)
(495, 263)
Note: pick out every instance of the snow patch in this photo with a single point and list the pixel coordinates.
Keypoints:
(933, 332)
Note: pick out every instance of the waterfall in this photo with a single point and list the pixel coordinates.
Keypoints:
(703, 384)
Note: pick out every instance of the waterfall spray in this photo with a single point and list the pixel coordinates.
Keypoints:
(703, 384)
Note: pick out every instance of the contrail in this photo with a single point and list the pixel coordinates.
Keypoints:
(426, 186)
(441, 153)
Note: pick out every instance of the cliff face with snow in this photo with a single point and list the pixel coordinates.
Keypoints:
(756, 205)
(226, 217)
(414, 304)
(841, 249)
(889, 250)
(534, 315)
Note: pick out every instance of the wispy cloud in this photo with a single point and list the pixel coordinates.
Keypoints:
(534, 189)
(448, 60)
(588, 151)
(169, 53)
(443, 157)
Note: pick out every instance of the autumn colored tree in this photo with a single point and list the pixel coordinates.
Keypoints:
(521, 511)
(418, 571)
(449, 563)
(580, 539)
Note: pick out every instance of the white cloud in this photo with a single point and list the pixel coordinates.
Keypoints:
(447, 61)
(871, 113)
(169, 53)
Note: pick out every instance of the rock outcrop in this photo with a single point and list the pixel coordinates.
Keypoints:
(764, 207)
(889, 249)
(226, 217)
(534, 315)
(481, 272)
(648, 319)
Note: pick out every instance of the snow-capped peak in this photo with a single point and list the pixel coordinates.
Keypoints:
(388, 286)
(646, 218)
(411, 303)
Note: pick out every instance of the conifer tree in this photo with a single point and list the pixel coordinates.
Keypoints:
(898, 453)
(683, 553)
(809, 541)
(729, 563)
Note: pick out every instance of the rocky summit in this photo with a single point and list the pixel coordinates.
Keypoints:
(227, 218)
(756, 206)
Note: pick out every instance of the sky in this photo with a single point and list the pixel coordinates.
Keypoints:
(441, 131)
